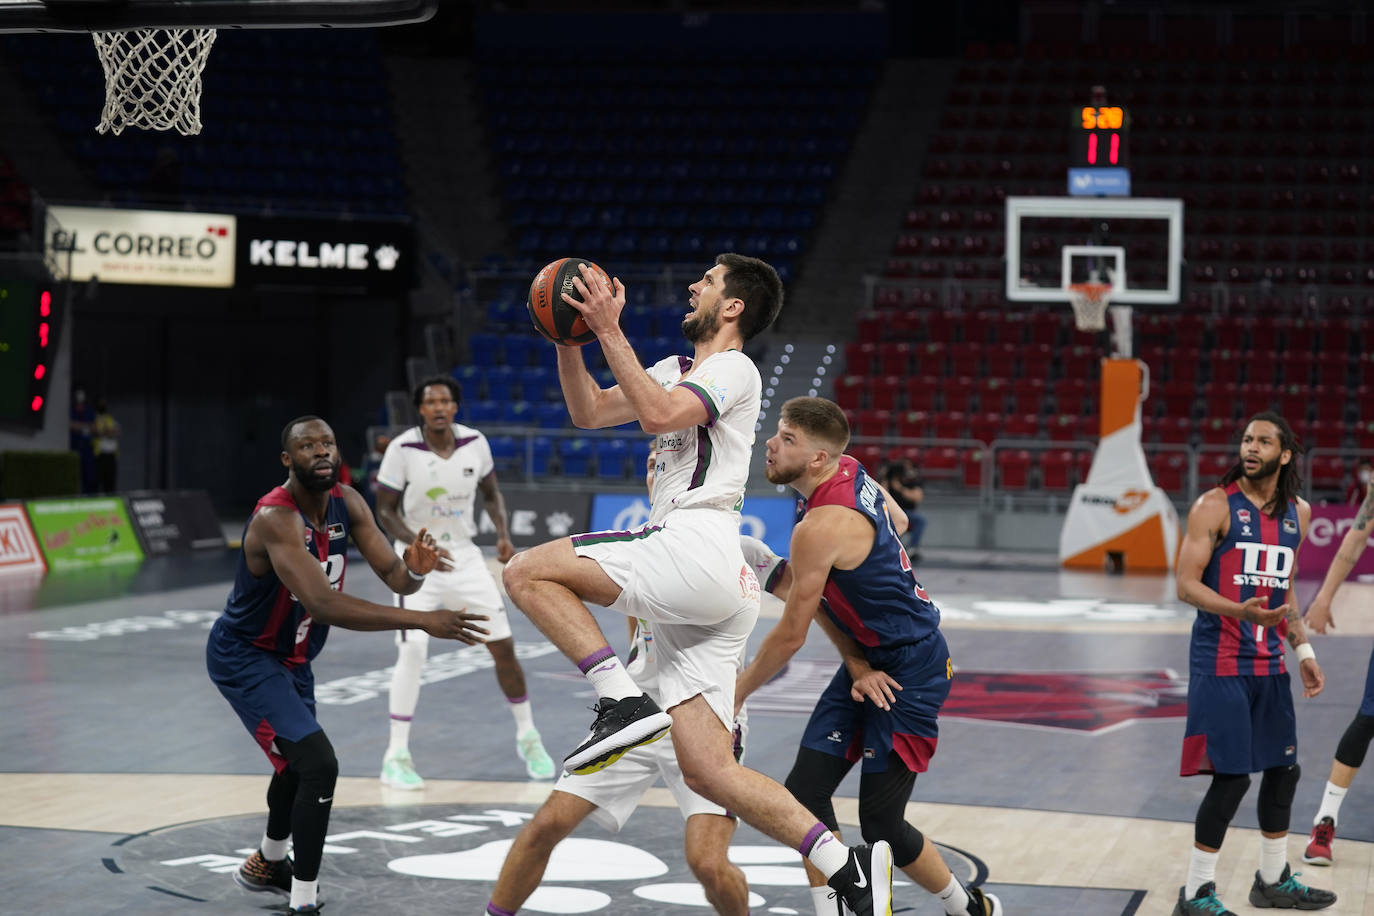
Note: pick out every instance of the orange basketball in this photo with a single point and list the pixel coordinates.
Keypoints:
(553, 317)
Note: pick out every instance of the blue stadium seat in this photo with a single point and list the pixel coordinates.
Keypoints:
(575, 456)
(611, 455)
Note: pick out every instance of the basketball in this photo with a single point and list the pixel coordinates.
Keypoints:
(553, 317)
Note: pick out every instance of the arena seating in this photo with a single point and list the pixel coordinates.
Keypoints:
(1277, 279)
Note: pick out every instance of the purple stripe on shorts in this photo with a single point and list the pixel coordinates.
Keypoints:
(812, 835)
(401, 718)
(596, 658)
(519, 699)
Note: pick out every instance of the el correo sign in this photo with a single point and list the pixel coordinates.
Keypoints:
(152, 247)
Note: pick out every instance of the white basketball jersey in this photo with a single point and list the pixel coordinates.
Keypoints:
(438, 493)
(707, 466)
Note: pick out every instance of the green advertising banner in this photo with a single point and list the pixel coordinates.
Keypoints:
(82, 533)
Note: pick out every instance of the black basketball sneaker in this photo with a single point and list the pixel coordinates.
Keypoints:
(620, 725)
(865, 882)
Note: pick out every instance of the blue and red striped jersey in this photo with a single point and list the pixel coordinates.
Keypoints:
(879, 602)
(262, 611)
(1256, 558)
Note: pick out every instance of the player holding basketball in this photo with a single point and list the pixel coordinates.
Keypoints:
(1354, 744)
(683, 571)
(287, 594)
(850, 571)
(429, 476)
(1236, 566)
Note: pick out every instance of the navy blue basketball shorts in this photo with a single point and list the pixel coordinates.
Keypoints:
(272, 700)
(1239, 724)
(843, 728)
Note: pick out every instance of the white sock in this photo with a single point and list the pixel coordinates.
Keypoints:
(1202, 867)
(823, 899)
(303, 892)
(827, 853)
(954, 897)
(274, 850)
(1273, 858)
(524, 715)
(607, 676)
(1331, 803)
(405, 689)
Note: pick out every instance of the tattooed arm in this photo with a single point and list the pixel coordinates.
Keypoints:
(1352, 546)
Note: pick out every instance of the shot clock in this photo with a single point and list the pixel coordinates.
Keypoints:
(1099, 149)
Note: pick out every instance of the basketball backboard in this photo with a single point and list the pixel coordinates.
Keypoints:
(1133, 244)
(122, 15)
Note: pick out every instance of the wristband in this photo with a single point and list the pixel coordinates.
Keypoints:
(1304, 652)
(418, 577)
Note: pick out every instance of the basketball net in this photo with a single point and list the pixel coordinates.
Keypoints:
(1090, 301)
(152, 78)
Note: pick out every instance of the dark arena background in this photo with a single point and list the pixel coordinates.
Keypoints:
(941, 187)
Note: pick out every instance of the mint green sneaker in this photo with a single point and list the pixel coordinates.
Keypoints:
(398, 771)
(538, 763)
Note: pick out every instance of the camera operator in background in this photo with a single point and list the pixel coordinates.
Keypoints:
(903, 481)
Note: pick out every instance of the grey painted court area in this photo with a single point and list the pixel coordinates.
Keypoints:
(117, 757)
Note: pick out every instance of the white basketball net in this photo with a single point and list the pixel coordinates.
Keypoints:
(152, 78)
(1089, 301)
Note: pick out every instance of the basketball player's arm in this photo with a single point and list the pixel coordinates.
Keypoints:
(1207, 525)
(1313, 680)
(589, 405)
(496, 511)
(1351, 549)
(389, 514)
(868, 682)
(895, 513)
(657, 411)
(277, 535)
(423, 556)
(816, 546)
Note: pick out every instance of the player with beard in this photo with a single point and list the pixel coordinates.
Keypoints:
(1237, 565)
(287, 593)
(683, 571)
(850, 572)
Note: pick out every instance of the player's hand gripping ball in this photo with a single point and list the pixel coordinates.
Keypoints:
(552, 317)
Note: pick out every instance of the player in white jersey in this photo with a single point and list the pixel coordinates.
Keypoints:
(684, 570)
(429, 478)
(610, 796)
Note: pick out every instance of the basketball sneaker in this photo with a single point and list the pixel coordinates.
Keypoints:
(538, 763)
(982, 904)
(865, 882)
(257, 873)
(1287, 894)
(1203, 903)
(620, 725)
(398, 771)
(1319, 846)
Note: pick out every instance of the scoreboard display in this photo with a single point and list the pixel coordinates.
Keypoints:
(1100, 137)
(28, 346)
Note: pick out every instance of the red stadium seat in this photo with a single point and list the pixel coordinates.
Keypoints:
(929, 358)
(949, 424)
(1063, 427)
(1056, 469)
(860, 358)
(959, 394)
(913, 424)
(1329, 403)
(1013, 469)
(1027, 395)
(985, 427)
(971, 463)
(966, 359)
(882, 392)
(922, 391)
(941, 462)
(1037, 361)
(1322, 434)
(1211, 466)
(993, 394)
(849, 392)
(1021, 426)
(1328, 472)
(1170, 471)
(1217, 430)
(894, 358)
(870, 422)
(870, 456)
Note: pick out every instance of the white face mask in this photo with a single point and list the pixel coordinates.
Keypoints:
(1365, 475)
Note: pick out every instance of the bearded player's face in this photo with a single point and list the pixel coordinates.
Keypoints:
(314, 456)
(1261, 450)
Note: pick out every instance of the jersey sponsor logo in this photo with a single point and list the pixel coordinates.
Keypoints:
(1243, 515)
(1264, 566)
(336, 531)
(1290, 526)
(1130, 501)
